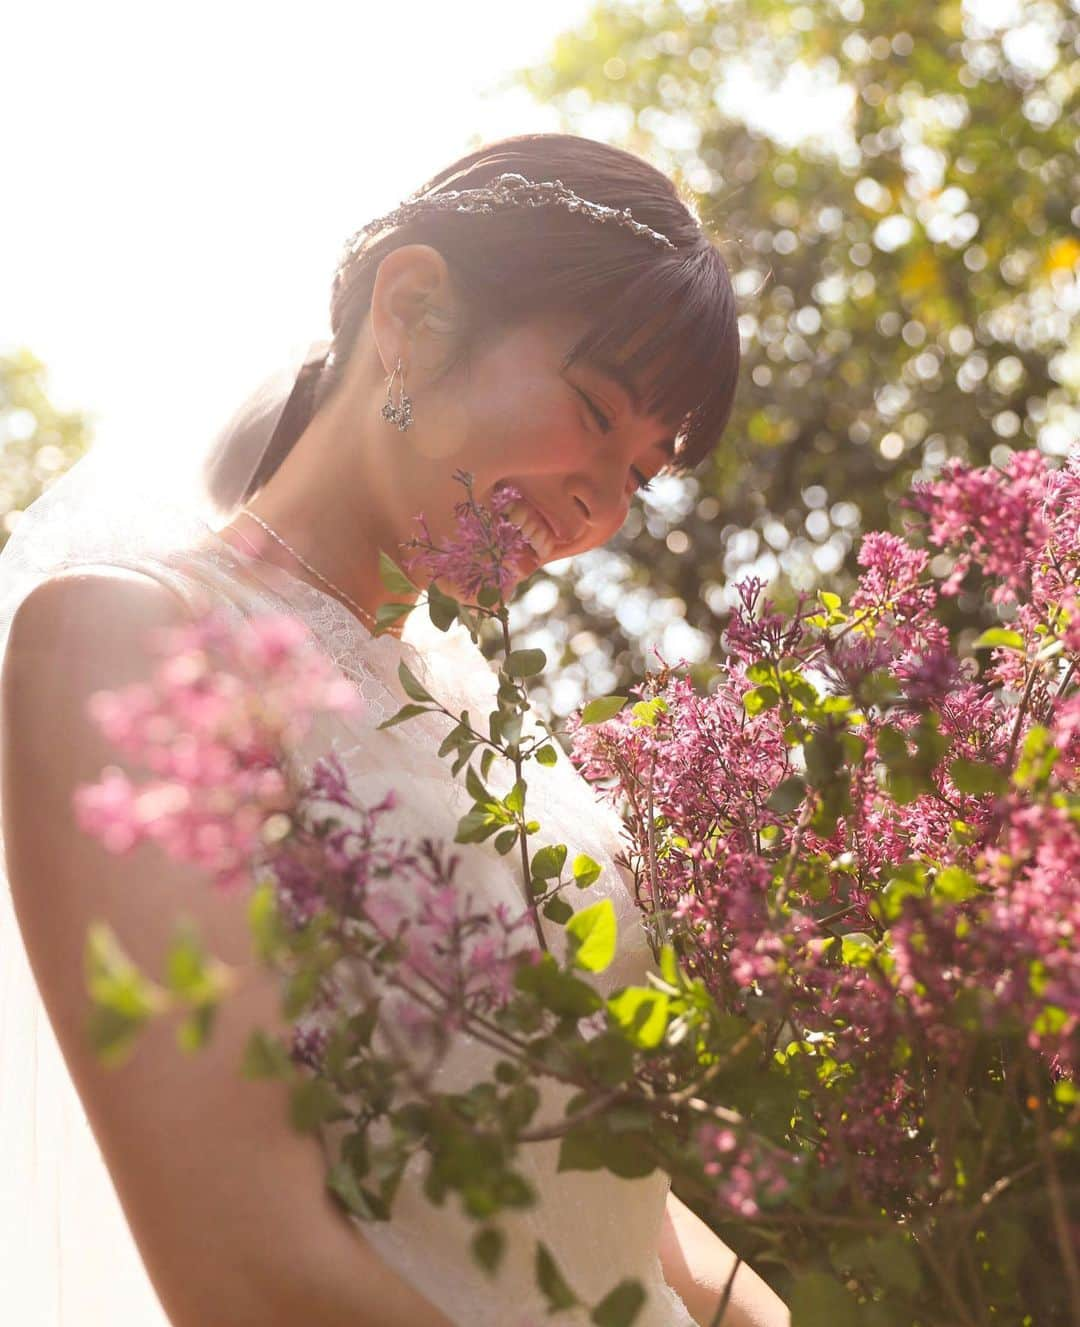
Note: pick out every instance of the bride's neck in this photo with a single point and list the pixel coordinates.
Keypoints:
(334, 510)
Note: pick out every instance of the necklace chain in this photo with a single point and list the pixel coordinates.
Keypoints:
(361, 612)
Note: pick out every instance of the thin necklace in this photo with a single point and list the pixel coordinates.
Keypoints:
(361, 612)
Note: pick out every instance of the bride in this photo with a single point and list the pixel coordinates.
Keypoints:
(545, 312)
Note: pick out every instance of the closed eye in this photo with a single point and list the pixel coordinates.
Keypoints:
(605, 427)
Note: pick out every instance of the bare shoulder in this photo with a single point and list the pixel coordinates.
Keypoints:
(96, 608)
(169, 1127)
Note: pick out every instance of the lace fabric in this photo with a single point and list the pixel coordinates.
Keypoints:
(600, 1228)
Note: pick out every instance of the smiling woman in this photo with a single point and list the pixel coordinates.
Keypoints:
(552, 317)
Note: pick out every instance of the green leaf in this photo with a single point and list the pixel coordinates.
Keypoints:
(455, 738)
(442, 609)
(857, 949)
(761, 698)
(890, 901)
(193, 1032)
(1000, 637)
(621, 1306)
(122, 998)
(525, 663)
(264, 920)
(362, 1024)
(1066, 1092)
(550, 1280)
(265, 1057)
(786, 796)
(954, 884)
(411, 685)
(113, 979)
(546, 754)
(819, 1300)
(584, 870)
(406, 712)
(475, 786)
(976, 778)
(647, 712)
(547, 862)
(595, 929)
(889, 1258)
(602, 709)
(388, 613)
(186, 971)
(558, 991)
(642, 1013)
(112, 1034)
(891, 745)
(475, 826)
(896, 1263)
(505, 840)
(342, 1183)
(312, 1101)
(558, 910)
(904, 788)
(1038, 754)
(488, 1246)
(515, 798)
(590, 1146)
(393, 577)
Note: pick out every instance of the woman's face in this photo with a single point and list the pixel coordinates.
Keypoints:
(571, 440)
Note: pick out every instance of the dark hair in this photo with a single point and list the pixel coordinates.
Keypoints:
(517, 263)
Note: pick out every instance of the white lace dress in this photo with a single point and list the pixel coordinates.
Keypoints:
(600, 1228)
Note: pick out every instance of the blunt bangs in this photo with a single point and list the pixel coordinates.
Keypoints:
(673, 332)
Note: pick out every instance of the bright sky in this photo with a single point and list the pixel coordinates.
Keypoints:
(179, 179)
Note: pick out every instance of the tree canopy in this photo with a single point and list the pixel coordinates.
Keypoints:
(907, 288)
(38, 441)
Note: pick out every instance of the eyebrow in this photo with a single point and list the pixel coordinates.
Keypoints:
(609, 369)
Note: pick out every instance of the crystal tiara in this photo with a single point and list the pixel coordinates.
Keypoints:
(511, 190)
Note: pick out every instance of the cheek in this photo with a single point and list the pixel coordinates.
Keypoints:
(524, 432)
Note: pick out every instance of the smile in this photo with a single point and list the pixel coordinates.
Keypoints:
(533, 526)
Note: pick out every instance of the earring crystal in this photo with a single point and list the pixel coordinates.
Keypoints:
(400, 414)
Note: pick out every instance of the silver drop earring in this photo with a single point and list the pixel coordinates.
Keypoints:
(400, 414)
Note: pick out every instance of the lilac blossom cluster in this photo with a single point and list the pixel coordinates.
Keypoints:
(859, 833)
(209, 724)
(486, 550)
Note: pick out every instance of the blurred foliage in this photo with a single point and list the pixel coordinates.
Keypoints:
(907, 287)
(37, 441)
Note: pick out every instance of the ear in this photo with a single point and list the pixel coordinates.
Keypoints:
(413, 306)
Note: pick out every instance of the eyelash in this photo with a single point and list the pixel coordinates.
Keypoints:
(605, 426)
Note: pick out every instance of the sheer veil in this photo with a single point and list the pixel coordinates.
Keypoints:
(66, 1254)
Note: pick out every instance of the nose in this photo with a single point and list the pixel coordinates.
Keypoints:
(603, 509)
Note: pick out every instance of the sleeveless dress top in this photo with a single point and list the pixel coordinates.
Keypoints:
(600, 1228)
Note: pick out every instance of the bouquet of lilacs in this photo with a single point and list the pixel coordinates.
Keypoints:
(858, 860)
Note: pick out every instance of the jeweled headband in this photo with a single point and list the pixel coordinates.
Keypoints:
(514, 191)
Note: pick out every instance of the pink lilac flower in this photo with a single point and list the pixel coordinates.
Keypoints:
(747, 1175)
(995, 519)
(210, 725)
(1003, 954)
(891, 577)
(488, 548)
